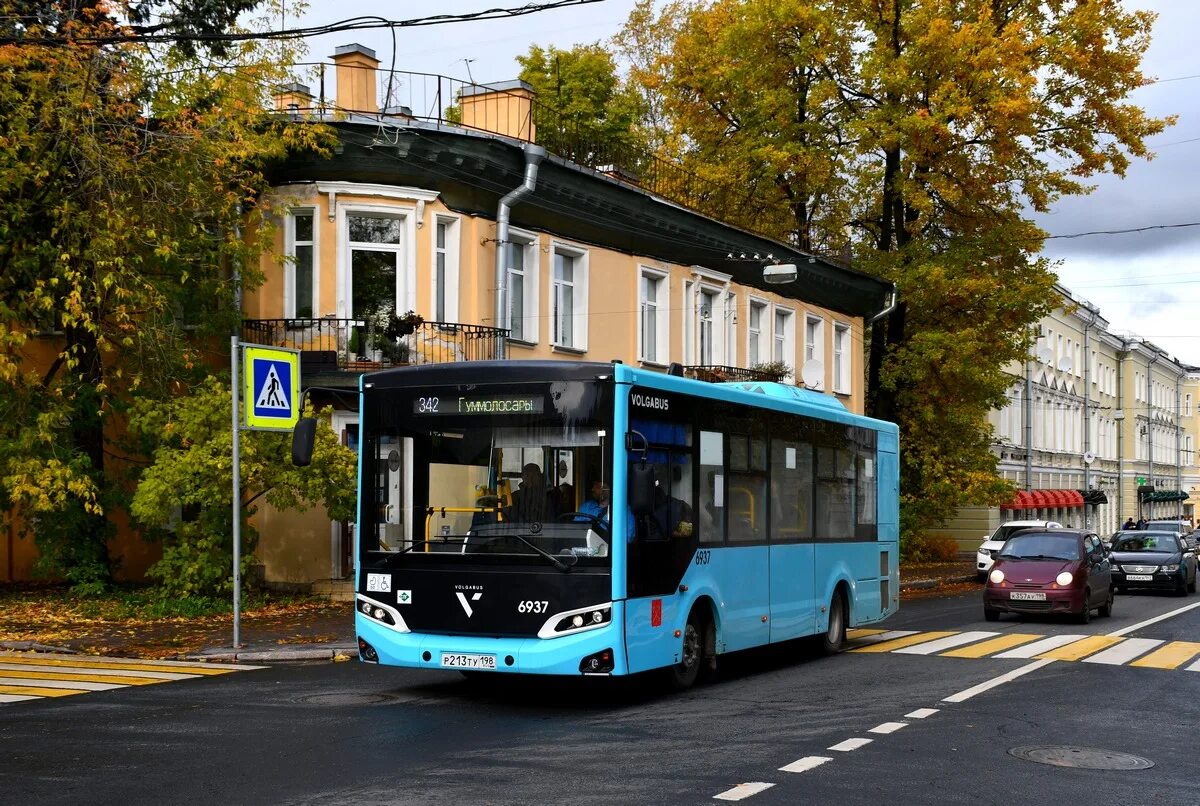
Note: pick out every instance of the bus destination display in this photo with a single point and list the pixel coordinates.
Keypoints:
(491, 404)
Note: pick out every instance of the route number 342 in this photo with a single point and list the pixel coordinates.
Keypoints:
(531, 606)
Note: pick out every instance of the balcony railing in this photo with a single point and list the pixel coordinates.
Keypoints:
(349, 345)
(716, 373)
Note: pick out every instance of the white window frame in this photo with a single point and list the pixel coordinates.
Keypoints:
(451, 279)
(1187, 405)
(579, 297)
(529, 244)
(406, 251)
(843, 358)
(662, 313)
(815, 348)
(289, 272)
(754, 337)
(785, 340)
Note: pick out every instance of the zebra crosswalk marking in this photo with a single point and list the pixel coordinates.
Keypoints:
(130, 665)
(1171, 656)
(78, 685)
(1081, 649)
(997, 644)
(898, 643)
(859, 632)
(949, 642)
(34, 692)
(81, 678)
(105, 674)
(1037, 647)
(1123, 652)
(879, 637)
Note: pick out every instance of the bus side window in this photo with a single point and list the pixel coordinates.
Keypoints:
(711, 512)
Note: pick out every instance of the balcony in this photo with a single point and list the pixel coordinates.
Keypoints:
(329, 345)
(715, 373)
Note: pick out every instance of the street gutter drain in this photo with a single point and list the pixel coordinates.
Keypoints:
(345, 698)
(1084, 758)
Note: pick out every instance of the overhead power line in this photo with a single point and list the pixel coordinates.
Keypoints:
(1124, 231)
(159, 32)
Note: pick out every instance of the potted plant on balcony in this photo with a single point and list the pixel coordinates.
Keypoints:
(404, 325)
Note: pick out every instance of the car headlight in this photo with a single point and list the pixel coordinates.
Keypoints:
(1170, 569)
(997, 576)
(1064, 579)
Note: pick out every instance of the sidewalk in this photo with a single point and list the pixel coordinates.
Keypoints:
(320, 632)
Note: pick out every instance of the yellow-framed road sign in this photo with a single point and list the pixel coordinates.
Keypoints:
(272, 388)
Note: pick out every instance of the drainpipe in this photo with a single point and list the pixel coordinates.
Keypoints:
(1178, 454)
(1087, 410)
(1119, 417)
(1028, 422)
(533, 157)
(1150, 419)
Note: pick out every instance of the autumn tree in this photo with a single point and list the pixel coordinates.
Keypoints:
(128, 175)
(917, 135)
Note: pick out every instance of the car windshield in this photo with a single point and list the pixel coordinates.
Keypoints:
(1158, 542)
(1165, 526)
(1041, 546)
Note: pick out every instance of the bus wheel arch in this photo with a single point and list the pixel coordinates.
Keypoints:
(698, 656)
(834, 637)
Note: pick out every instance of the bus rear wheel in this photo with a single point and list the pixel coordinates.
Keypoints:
(835, 634)
(683, 675)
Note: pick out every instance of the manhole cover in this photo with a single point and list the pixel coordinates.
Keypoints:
(344, 698)
(1086, 758)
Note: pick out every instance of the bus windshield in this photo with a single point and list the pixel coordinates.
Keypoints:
(486, 473)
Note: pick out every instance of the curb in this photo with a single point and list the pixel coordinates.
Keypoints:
(921, 584)
(34, 646)
(329, 652)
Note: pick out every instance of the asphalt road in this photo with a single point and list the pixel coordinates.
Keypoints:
(353, 733)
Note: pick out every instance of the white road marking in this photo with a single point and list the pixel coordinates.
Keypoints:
(921, 713)
(997, 681)
(849, 744)
(805, 764)
(19, 697)
(95, 671)
(1155, 620)
(1195, 667)
(80, 685)
(1123, 652)
(888, 727)
(743, 791)
(1038, 647)
(139, 661)
(942, 644)
(867, 640)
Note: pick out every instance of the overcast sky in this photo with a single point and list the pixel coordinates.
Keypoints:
(1146, 283)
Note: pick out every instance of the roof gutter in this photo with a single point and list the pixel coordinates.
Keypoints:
(533, 157)
(891, 306)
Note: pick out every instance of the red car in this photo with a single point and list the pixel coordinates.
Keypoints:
(1050, 571)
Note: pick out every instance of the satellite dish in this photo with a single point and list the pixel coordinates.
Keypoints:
(1064, 364)
(1089, 457)
(1044, 355)
(812, 373)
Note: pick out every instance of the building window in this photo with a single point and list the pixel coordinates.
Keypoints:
(522, 321)
(445, 270)
(301, 277)
(1187, 405)
(841, 359)
(814, 344)
(754, 327)
(376, 251)
(783, 338)
(568, 299)
(708, 311)
(653, 317)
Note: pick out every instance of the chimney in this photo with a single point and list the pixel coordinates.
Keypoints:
(356, 69)
(504, 108)
(293, 98)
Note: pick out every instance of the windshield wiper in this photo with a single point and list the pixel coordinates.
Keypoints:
(557, 563)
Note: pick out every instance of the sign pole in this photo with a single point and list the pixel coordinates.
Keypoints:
(237, 496)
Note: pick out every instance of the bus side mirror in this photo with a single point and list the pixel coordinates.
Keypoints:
(303, 437)
(641, 489)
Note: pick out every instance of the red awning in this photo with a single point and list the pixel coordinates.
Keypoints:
(1022, 500)
(1040, 499)
(1058, 497)
(1074, 498)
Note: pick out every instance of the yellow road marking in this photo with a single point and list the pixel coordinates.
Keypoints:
(40, 692)
(108, 664)
(998, 644)
(1082, 648)
(83, 678)
(908, 640)
(861, 633)
(1170, 656)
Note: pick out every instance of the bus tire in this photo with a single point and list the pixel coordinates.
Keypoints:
(683, 675)
(835, 634)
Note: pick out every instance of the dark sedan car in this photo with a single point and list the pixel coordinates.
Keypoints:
(1050, 571)
(1159, 560)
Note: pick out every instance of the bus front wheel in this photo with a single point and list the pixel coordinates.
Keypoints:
(835, 634)
(683, 675)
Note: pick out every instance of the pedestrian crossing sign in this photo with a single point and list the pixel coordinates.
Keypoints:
(272, 399)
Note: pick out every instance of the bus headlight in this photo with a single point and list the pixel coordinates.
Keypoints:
(585, 618)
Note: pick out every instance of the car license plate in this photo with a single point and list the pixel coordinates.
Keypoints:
(1139, 577)
(461, 661)
(1028, 596)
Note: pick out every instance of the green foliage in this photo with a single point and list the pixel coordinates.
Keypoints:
(129, 175)
(917, 135)
(191, 442)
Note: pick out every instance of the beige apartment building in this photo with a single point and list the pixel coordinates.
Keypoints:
(1098, 428)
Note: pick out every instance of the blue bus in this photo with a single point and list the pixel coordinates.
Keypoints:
(574, 518)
